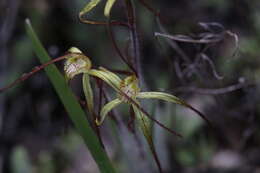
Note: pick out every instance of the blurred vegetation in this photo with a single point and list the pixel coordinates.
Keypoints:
(37, 135)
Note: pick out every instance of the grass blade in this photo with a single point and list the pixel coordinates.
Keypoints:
(71, 105)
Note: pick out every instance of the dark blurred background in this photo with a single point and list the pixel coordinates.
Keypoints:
(218, 78)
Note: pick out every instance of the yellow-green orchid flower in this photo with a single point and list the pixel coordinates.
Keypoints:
(93, 3)
(129, 92)
(77, 63)
(129, 88)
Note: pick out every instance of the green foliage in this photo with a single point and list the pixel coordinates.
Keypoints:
(71, 105)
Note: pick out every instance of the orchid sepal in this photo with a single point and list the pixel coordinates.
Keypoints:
(106, 109)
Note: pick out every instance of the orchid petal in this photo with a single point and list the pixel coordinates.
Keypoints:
(161, 96)
(74, 50)
(88, 92)
(108, 7)
(107, 108)
(144, 124)
(115, 77)
(89, 6)
(76, 63)
(169, 98)
(107, 76)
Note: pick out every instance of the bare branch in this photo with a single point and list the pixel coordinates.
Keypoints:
(214, 71)
(212, 38)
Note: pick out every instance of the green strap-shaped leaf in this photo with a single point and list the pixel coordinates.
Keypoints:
(169, 98)
(107, 108)
(71, 105)
(108, 7)
(88, 92)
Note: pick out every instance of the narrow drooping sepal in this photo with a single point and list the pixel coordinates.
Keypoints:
(112, 75)
(89, 6)
(108, 7)
(88, 92)
(106, 109)
(108, 77)
(144, 124)
(92, 4)
(170, 98)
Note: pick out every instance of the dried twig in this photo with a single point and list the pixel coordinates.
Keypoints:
(213, 68)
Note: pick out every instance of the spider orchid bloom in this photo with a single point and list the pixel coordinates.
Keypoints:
(93, 3)
(128, 92)
(129, 88)
(77, 63)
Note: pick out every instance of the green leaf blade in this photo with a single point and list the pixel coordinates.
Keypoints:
(71, 105)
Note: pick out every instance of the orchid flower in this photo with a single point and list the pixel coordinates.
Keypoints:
(90, 5)
(77, 63)
(128, 92)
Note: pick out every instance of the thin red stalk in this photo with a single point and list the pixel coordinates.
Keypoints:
(114, 23)
(130, 123)
(152, 10)
(82, 102)
(149, 139)
(131, 17)
(148, 115)
(91, 22)
(156, 159)
(200, 114)
(109, 28)
(96, 128)
(36, 69)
